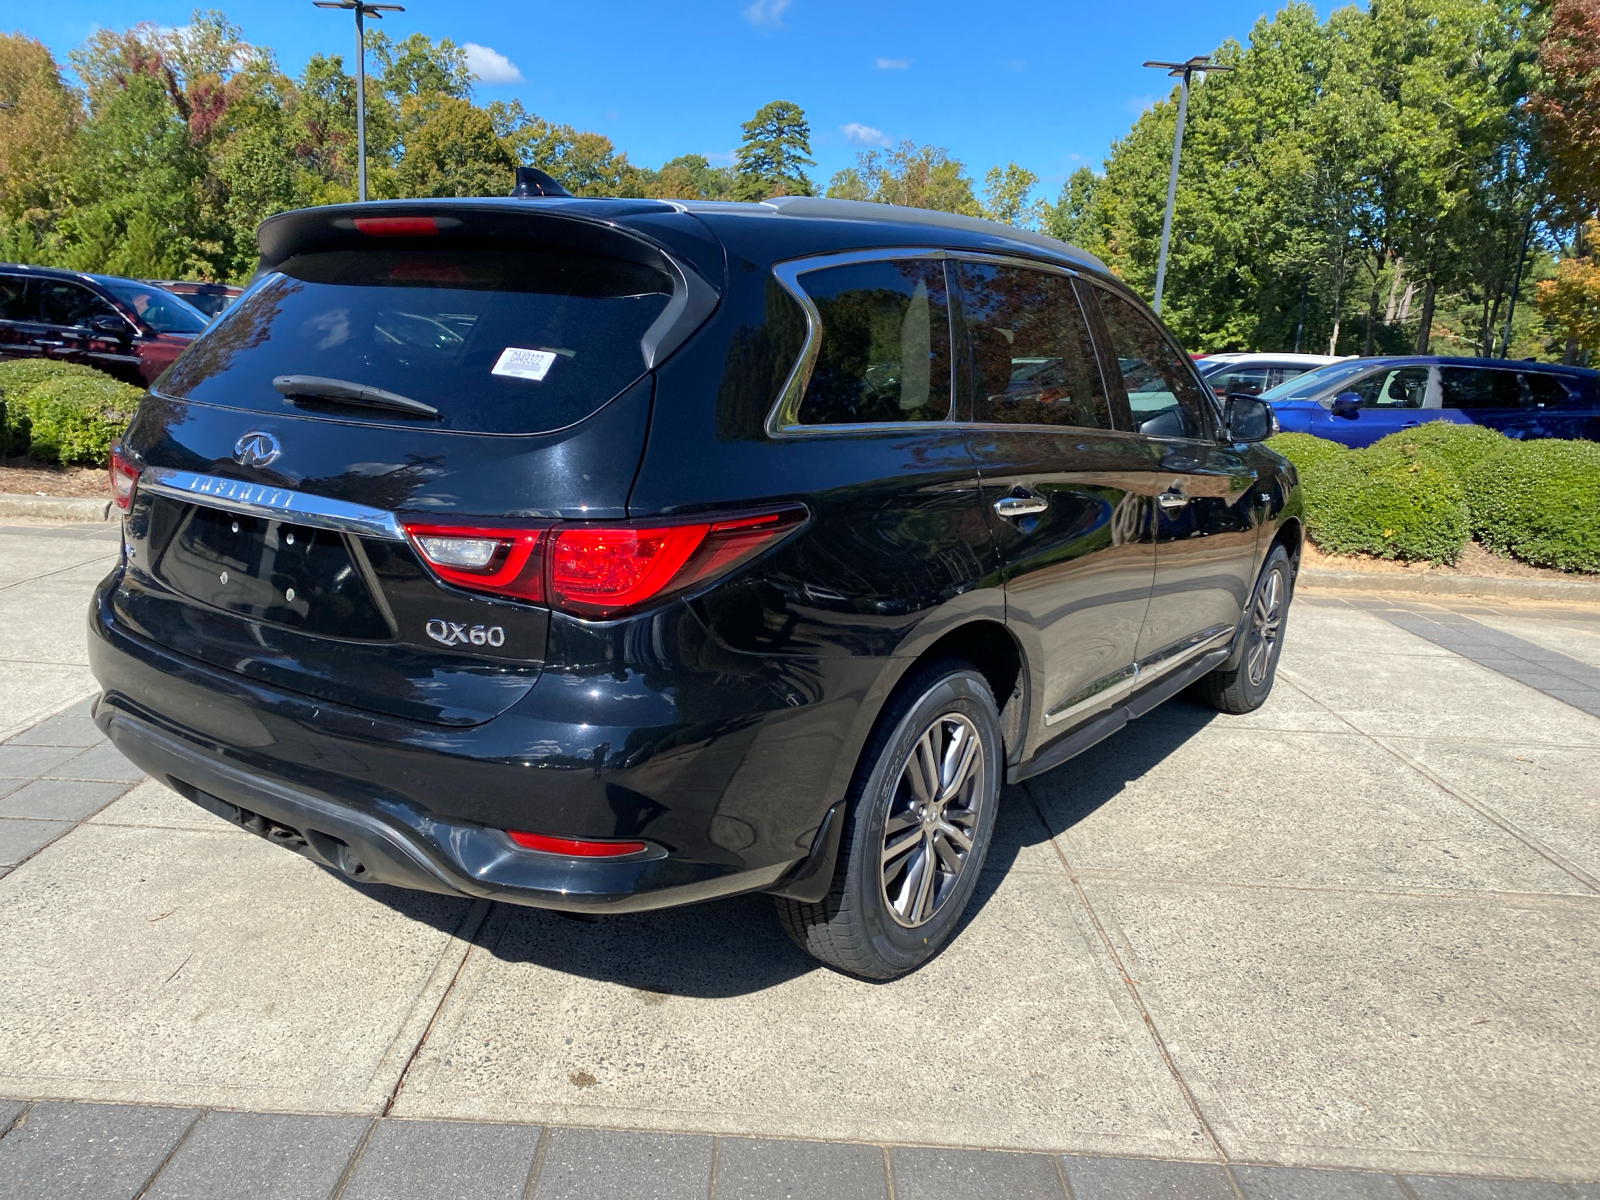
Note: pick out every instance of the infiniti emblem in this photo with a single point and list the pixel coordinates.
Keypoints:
(258, 448)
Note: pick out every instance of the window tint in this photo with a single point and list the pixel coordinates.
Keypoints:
(1254, 380)
(1033, 362)
(885, 349)
(503, 341)
(1314, 382)
(63, 303)
(1479, 387)
(1404, 387)
(1547, 391)
(1163, 392)
(14, 304)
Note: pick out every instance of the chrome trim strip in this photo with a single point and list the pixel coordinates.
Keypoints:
(263, 500)
(1132, 676)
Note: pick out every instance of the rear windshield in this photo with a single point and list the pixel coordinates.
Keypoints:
(498, 341)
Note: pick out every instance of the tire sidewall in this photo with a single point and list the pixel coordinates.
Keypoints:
(962, 691)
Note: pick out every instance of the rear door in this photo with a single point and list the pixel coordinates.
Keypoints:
(67, 311)
(1562, 406)
(1490, 396)
(18, 310)
(1207, 508)
(1065, 491)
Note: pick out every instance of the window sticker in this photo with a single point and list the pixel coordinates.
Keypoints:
(520, 363)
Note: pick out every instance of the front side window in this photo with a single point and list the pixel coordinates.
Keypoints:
(1163, 393)
(1033, 362)
(1405, 387)
(159, 308)
(71, 304)
(1547, 391)
(14, 304)
(884, 354)
(1479, 387)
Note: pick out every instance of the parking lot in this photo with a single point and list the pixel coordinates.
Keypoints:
(1357, 930)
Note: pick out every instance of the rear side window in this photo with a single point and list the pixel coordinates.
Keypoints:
(884, 354)
(1479, 387)
(1547, 391)
(499, 341)
(14, 304)
(71, 304)
(1033, 362)
(1164, 393)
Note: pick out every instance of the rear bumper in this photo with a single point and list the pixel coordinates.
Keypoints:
(389, 802)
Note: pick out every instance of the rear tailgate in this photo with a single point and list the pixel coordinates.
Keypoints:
(268, 531)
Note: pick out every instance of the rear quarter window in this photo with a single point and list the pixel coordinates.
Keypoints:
(498, 341)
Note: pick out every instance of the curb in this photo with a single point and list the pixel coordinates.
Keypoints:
(54, 508)
(1576, 590)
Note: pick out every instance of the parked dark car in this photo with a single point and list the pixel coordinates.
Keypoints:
(209, 298)
(122, 326)
(606, 555)
(1360, 400)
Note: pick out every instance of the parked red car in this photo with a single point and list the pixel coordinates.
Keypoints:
(122, 326)
(209, 298)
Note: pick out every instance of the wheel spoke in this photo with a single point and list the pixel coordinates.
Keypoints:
(956, 834)
(900, 823)
(916, 870)
(922, 770)
(963, 769)
(948, 853)
(922, 909)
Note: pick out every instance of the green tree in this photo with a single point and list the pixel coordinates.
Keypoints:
(453, 151)
(775, 149)
(909, 175)
(692, 177)
(1008, 196)
(1075, 216)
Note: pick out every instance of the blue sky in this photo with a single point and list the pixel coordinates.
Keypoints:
(1047, 84)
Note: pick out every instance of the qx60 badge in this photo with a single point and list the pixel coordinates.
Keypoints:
(449, 633)
(258, 448)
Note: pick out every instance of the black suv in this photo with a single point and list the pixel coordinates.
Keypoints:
(607, 555)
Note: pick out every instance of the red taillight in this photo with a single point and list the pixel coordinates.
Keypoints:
(572, 846)
(507, 562)
(398, 226)
(596, 570)
(124, 478)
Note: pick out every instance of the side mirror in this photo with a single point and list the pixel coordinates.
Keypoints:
(1249, 418)
(111, 327)
(1347, 405)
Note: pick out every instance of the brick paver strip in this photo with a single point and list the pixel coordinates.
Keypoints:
(422, 1160)
(922, 1173)
(1299, 1183)
(88, 1151)
(758, 1169)
(260, 1156)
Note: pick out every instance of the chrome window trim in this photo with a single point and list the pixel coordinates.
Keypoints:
(783, 421)
(264, 500)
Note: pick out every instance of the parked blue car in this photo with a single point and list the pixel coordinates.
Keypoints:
(1360, 400)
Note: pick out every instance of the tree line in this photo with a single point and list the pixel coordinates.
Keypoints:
(1416, 175)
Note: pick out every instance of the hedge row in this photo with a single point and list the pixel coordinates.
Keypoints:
(1421, 493)
(61, 412)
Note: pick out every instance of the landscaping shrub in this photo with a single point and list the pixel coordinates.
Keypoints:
(1305, 451)
(1389, 504)
(72, 417)
(1540, 501)
(1457, 448)
(19, 376)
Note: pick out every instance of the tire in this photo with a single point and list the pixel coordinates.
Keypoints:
(880, 928)
(1246, 687)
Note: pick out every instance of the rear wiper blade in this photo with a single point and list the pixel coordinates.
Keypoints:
(342, 391)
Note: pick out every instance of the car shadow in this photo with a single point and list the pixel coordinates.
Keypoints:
(735, 946)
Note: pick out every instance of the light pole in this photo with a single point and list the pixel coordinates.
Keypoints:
(362, 11)
(1201, 63)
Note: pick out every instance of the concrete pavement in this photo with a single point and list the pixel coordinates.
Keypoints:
(1356, 931)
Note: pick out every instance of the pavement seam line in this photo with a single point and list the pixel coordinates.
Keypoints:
(1061, 1174)
(150, 1182)
(355, 1157)
(1483, 810)
(888, 1173)
(17, 1120)
(16, 731)
(59, 571)
(1133, 990)
(537, 1165)
(716, 1155)
(470, 937)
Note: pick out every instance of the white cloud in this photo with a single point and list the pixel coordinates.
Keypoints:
(858, 134)
(767, 12)
(490, 66)
(893, 64)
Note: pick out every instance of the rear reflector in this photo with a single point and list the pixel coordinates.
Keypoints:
(124, 478)
(596, 570)
(572, 846)
(398, 226)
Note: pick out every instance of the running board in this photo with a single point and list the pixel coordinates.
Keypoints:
(1096, 730)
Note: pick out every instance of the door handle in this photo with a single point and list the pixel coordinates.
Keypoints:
(47, 342)
(1021, 503)
(1409, 424)
(1172, 499)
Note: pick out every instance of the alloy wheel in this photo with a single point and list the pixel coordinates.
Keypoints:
(1266, 624)
(932, 820)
